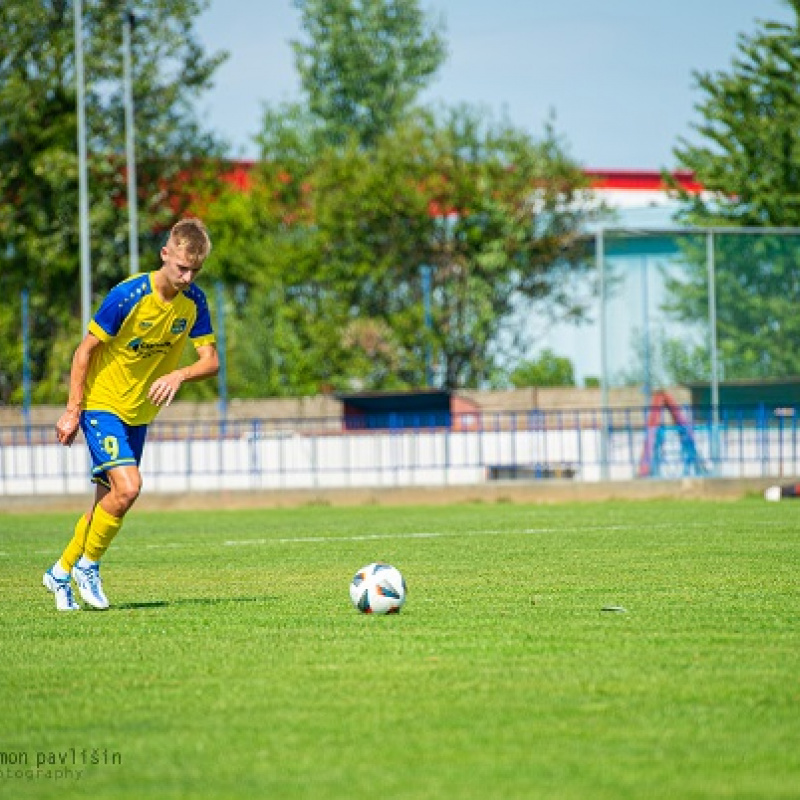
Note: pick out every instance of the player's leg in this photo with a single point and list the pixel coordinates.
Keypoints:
(106, 521)
(57, 578)
(107, 517)
(74, 550)
(119, 448)
(116, 451)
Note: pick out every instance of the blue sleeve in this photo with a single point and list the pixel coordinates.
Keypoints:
(119, 302)
(202, 325)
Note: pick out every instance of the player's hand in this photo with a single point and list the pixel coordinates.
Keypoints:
(67, 427)
(163, 391)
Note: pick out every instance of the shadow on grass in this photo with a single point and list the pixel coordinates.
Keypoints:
(188, 601)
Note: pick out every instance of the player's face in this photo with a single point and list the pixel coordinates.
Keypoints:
(177, 267)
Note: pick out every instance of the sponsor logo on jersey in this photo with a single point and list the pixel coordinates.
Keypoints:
(148, 349)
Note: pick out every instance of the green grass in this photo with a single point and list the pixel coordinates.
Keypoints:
(241, 669)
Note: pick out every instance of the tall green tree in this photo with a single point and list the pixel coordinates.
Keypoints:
(747, 157)
(491, 213)
(38, 159)
(363, 63)
(494, 214)
(329, 248)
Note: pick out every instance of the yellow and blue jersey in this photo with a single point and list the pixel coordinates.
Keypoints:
(143, 337)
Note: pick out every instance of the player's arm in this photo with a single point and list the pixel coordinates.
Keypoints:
(163, 390)
(67, 425)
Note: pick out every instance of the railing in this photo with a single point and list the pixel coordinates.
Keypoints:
(579, 445)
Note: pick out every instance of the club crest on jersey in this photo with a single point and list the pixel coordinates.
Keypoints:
(179, 326)
(144, 324)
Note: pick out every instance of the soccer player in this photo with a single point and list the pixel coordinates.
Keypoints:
(123, 372)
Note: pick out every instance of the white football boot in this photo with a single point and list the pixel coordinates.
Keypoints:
(90, 586)
(62, 591)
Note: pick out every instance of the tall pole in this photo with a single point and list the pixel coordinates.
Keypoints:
(83, 180)
(712, 342)
(130, 138)
(604, 411)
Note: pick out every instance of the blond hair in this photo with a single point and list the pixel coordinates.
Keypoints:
(191, 236)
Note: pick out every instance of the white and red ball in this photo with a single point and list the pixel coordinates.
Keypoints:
(378, 588)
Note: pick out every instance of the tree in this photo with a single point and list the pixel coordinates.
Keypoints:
(546, 370)
(38, 158)
(748, 161)
(496, 216)
(364, 62)
(342, 234)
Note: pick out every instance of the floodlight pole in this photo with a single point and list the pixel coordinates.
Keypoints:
(130, 151)
(712, 341)
(604, 410)
(83, 180)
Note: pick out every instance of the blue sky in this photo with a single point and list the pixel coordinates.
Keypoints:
(616, 73)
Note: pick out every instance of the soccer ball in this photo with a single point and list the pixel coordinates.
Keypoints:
(378, 589)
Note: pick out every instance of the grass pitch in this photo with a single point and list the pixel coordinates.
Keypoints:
(232, 664)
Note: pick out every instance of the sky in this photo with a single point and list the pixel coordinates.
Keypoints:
(615, 74)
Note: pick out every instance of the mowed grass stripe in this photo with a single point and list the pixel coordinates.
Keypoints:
(560, 530)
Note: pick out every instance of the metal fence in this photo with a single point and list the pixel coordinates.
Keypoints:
(580, 445)
(675, 306)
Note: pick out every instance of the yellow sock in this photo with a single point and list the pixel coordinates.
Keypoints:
(102, 531)
(74, 549)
